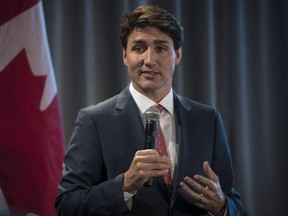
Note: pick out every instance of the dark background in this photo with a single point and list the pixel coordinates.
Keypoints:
(234, 58)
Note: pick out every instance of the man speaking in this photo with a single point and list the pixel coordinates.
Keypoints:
(107, 165)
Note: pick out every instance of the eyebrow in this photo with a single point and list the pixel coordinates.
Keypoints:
(157, 42)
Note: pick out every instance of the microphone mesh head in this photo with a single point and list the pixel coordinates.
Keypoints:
(152, 114)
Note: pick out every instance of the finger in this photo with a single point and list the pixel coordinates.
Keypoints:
(151, 158)
(209, 172)
(198, 187)
(151, 167)
(201, 201)
(212, 190)
(150, 163)
(140, 173)
(156, 166)
(192, 196)
(157, 172)
(188, 193)
(146, 152)
(206, 183)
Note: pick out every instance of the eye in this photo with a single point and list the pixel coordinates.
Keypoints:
(138, 49)
(160, 49)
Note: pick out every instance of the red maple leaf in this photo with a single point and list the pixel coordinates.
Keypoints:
(31, 141)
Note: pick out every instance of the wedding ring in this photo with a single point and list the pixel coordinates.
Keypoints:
(200, 198)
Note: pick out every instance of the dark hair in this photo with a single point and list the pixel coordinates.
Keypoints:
(154, 16)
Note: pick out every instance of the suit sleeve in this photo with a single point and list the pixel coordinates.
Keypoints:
(84, 188)
(222, 166)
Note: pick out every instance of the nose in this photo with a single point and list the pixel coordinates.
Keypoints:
(149, 57)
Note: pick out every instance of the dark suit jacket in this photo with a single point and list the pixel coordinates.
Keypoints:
(103, 145)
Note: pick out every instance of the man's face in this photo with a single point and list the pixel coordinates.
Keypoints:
(151, 58)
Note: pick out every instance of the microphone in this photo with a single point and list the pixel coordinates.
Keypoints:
(152, 116)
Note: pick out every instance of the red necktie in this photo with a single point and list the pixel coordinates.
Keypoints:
(161, 149)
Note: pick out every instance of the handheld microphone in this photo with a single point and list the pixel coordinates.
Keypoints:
(152, 116)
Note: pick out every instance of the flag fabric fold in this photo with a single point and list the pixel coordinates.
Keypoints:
(31, 129)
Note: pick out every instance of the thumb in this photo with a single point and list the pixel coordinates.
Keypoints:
(209, 172)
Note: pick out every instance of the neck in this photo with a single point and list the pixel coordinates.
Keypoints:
(154, 94)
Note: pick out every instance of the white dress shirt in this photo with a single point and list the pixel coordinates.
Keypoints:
(166, 120)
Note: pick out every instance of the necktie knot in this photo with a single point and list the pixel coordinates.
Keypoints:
(159, 107)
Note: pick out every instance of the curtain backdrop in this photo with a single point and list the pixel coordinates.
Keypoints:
(234, 58)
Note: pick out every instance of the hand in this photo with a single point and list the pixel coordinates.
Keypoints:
(146, 164)
(210, 196)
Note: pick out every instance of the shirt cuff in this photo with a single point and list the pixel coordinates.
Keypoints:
(128, 199)
(222, 213)
(128, 195)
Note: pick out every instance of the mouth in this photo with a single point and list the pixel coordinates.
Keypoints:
(149, 72)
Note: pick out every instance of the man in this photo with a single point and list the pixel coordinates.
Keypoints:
(106, 165)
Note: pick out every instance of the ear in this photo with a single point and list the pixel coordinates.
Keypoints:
(124, 56)
(178, 56)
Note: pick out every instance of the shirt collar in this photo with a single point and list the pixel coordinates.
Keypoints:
(145, 103)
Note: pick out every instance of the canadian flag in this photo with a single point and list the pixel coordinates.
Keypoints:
(31, 131)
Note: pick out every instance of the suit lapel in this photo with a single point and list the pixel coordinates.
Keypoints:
(184, 127)
(130, 120)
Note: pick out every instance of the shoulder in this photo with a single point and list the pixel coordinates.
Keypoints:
(102, 106)
(194, 106)
(109, 107)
